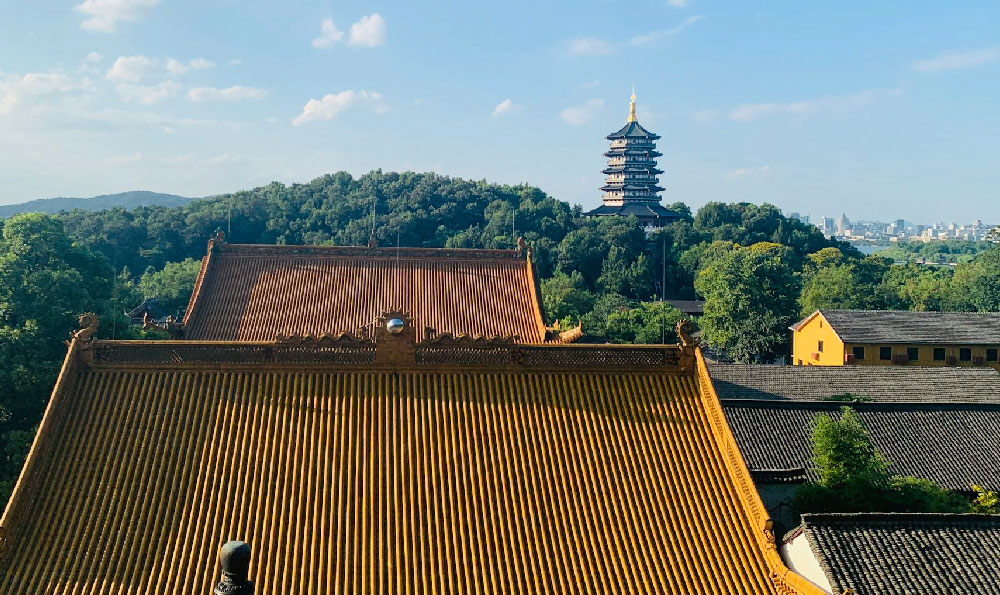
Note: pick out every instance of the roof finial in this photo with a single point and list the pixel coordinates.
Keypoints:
(631, 107)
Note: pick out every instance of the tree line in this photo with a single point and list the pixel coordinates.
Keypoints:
(757, 270)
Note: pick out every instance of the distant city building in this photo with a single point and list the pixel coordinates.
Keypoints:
(843, 224)
(632, 187)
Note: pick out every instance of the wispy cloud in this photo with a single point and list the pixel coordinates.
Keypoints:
(148, 95)
(678, 3)
(176, 67)
(591, 84)
(235, 93)
(594, 46)
(369, 31)
(104, 15)
(507, 106)
(705, 115)
(665, 33)
(129, 68)
(581, 114)
(16, 89)
(749, 172)
(749, 112)
(333, 104)
(956, 60)
(591, 46)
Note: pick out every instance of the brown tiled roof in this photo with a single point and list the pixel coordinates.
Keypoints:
(930, 554)
(617, 475)
(258, 293)
(914, 384)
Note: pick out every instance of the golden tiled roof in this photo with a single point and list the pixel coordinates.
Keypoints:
(543, 469)
(258, 293)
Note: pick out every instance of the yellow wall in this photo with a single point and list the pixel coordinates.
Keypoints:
(805, 344)
(925, 355)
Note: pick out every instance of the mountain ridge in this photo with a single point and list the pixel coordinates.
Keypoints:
(129, 200)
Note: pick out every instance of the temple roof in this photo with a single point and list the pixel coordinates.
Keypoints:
(255, 292)
(632, 130)
(952, 444)
(884, 384)
(387, 467)
(905, 553)
(928, 328)
(639, 208)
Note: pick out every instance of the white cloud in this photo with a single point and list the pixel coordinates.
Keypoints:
(749, 172)
(129, 68)
(329, 35)
(15, 89)
(148, 95)
(368, 32)
(749, 112)
(591, 84)
(505, 107)
(678, 3)
(93, 57)
(581, 114)
(123, 159)
(705, 115)
(177, 68)
(235, 93)
(104, 15)
(591, 46)
(331, 105)
(665, 33)
(234, 62)
(953, 60)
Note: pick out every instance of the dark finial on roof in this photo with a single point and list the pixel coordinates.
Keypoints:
(235, 559)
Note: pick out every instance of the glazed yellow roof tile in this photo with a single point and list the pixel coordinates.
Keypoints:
(386, 481)
(258, 293)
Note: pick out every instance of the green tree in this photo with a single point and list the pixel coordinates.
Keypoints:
(646, 323)
(751, 298)
(976, 285)
(172, 285)
(855, 477)
(834, 282)
(565, 297)
(45, 282)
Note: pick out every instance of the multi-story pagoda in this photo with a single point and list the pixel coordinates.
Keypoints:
(632, 187)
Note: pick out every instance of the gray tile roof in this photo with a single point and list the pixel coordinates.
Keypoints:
(906, 553)
(932, 328)
(689, 306)
(952, 444)
(877, 383)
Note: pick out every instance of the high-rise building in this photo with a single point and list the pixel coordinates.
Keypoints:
(632, 184)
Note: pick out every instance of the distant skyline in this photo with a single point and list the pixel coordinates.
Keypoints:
(885, 110)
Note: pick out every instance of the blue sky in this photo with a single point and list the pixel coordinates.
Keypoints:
(881, 110)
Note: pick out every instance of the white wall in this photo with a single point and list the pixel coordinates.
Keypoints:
(800, 559)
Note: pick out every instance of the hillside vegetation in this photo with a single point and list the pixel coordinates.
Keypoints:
(127, 200)
(757, 270)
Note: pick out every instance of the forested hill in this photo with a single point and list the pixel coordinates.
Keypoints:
(128, 200)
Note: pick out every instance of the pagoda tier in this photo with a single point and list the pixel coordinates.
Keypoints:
(632, 175)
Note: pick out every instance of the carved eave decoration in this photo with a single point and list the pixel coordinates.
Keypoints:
(467, 341)
(556, 334)
(173, 328)
(358, 339)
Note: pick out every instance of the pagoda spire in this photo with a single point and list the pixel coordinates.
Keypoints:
(631, 108)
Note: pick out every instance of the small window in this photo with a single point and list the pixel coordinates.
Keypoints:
(859, 353)
(991, 355)
(939, 354)
(965, 354)
(913, 353)
(885, 353)
(819, 346)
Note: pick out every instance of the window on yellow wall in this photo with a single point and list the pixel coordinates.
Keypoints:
(885, 353)
(965, 354)
(939, 354)
(991, 355)
(913, 353)
(819, 346)
(859, 352)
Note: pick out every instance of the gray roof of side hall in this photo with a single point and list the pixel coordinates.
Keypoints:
(953, 444)
(928, 554)
(887, 384)
(930, 328)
